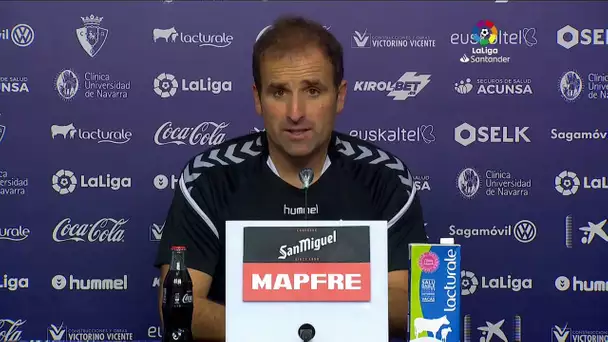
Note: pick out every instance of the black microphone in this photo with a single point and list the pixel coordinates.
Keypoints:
(306, 332)
(306, 176)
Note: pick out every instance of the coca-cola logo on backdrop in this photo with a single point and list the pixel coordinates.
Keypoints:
(205, 133)
(10, 329)
(104, 230)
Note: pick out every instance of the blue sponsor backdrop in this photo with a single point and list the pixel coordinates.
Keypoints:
(101, 104)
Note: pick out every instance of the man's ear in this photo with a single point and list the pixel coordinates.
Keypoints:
(256, 100)
(341, 96)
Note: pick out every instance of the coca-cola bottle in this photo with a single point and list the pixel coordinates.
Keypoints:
(177, 299)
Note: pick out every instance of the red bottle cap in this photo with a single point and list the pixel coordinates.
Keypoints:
(178, 248)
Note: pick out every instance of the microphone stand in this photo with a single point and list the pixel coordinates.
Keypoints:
(306, 332)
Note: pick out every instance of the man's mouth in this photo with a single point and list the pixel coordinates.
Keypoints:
(297, 132)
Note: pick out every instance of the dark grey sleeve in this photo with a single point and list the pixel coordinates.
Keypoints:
(399, 204)
(191, 222)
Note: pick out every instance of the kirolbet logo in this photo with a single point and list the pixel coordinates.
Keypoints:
(336, 269)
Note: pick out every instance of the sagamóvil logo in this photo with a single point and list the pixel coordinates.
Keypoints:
(485, 32)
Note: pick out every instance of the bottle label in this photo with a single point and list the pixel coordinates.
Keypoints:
(182, 299)
(187, 299)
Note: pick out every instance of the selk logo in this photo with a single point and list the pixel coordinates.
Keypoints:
(495, 86)
(69, 131)
(568, 183)
(92, 36)
(471, 283)
(166, 85)
(590, 231)
(65, 182)
(171, 35)
(156, 232)
(465, 134)
(156, 282)
(568, 37)
(22, 35)
(410, 84)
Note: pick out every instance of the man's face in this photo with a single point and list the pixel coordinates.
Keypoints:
(298, 100)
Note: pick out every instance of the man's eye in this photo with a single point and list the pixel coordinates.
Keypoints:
(314, 92)
(279, 93)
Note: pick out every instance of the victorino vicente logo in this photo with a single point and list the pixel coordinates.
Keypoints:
(205, 133)
(291, 264)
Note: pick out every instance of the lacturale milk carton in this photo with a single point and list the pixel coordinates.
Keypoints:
(434, 306)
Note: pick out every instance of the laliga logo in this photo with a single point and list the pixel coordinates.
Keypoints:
(65, 182)
(567, 183)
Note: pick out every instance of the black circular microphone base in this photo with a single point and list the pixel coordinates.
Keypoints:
(306, 332)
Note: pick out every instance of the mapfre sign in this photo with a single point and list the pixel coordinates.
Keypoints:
(306, 282)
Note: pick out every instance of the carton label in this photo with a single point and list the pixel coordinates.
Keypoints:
(434, 293)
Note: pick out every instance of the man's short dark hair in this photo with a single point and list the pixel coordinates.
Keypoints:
(290, 33)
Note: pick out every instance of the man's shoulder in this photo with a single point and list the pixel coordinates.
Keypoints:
(371, 159)
(219, 160)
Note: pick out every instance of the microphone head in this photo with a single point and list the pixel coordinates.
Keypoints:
(306, 176)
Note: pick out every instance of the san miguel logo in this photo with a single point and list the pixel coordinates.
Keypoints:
(308, 244)
(320, 264)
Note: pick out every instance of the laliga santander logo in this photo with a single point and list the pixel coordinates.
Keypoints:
(325, 274)
(485, 33)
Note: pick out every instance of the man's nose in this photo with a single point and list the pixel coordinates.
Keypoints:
(296, 108)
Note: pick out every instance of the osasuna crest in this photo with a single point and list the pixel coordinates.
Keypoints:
(92, 36)
(2, 130)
